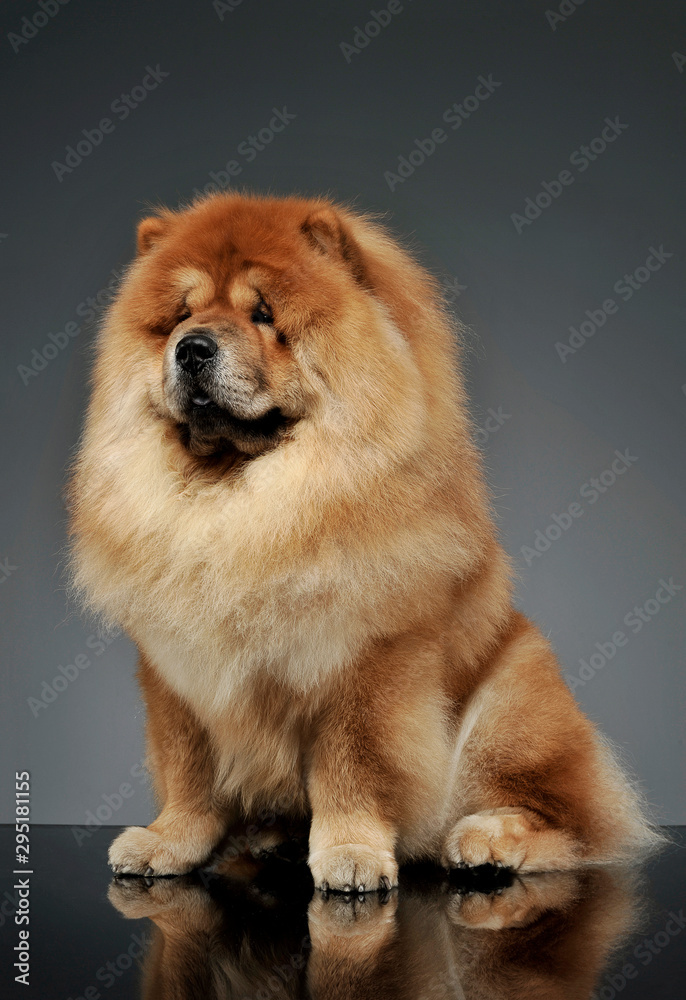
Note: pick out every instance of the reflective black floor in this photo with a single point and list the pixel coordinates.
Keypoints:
(256, 931)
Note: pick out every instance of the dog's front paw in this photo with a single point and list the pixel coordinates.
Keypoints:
(142, 851)
(514, 840)
(353, 868)
(483, 839)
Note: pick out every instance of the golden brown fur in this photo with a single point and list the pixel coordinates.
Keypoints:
(323, 610)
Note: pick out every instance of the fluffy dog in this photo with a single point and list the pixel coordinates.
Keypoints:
(278, 496)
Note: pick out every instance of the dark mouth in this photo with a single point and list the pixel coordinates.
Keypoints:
(201, 400)
(211, 428)
(206, 412)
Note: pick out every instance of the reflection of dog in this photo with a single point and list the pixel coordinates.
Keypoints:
(215, 947)
(546, 935)
(278, 496)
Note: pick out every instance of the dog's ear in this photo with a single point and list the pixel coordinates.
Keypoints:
(328, 234)
(150, 230)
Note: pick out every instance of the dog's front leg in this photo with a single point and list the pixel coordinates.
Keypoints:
(181, 760)
(352, 836)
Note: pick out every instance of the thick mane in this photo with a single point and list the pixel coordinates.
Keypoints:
(375, 494)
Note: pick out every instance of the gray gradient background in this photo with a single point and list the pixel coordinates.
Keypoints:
(624, 389)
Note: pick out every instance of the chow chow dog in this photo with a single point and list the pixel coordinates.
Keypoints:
(278, 496)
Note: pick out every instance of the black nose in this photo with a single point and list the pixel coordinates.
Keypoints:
(194, 350)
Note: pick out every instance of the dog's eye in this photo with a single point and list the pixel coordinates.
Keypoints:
(262, 314)
(183, 315)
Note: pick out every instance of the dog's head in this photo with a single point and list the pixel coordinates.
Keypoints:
(243, 317)
(274, 394)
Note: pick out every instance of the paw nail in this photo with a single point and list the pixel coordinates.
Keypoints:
(384, 883)
(149, 872)
(347, 888)
(360, 889)
(149, 882)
